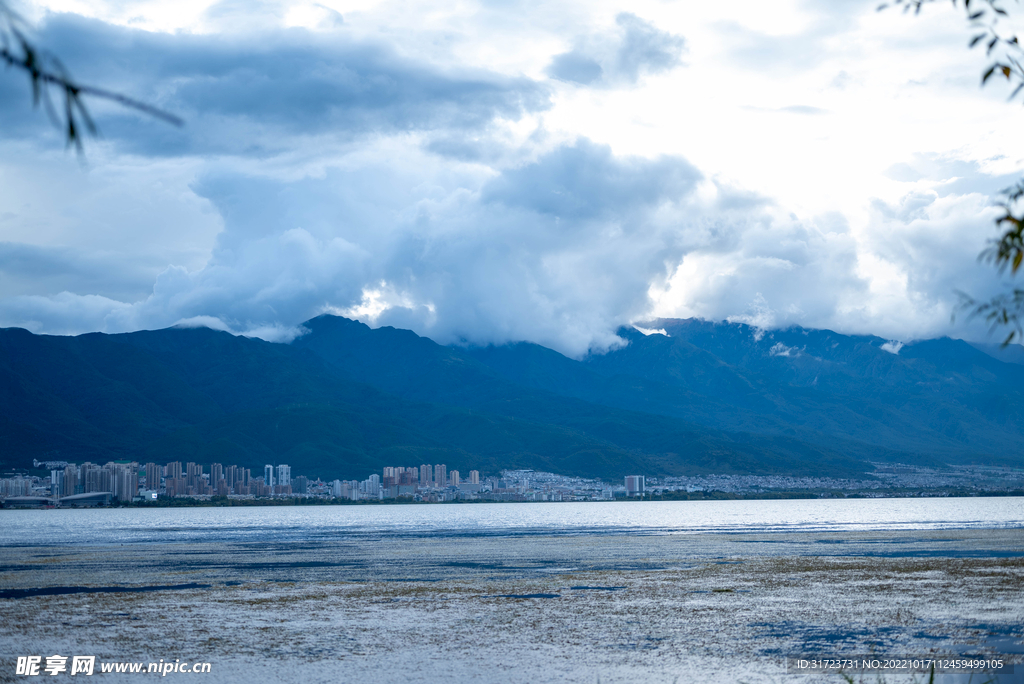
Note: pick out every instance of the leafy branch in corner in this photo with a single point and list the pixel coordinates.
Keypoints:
(1005, 310)
(48, 76)
(1007, 252)
(983, 16)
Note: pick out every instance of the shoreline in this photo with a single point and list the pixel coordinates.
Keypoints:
(214, 501)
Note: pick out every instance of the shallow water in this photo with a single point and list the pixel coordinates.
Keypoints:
(322, 523)
(717, 591)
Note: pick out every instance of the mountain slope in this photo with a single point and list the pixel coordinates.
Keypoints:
(938, 397)
(206, 396)
(345, 400)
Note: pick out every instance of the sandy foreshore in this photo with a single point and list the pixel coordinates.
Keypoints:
(586, 608)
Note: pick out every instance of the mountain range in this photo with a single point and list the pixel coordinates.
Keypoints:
(679, 397)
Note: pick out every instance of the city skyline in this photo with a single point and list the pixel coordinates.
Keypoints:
(77, 484)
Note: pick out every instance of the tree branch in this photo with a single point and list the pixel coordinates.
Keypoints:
(45, 72)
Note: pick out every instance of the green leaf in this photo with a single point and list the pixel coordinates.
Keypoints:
(976, 39)
(988, 73)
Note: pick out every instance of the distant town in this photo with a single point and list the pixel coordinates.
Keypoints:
(121, 483)
(91, 484)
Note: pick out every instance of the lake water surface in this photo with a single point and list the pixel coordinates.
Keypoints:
(297, 523)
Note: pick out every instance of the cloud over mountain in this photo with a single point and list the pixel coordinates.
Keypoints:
(562, 250)
(436, 168)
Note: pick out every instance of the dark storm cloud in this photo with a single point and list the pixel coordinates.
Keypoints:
(239, 92)
(621, 57)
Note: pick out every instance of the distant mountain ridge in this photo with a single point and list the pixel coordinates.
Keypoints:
(937, 398)
(345, 400)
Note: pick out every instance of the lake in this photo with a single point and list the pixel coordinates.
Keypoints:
(294, 523)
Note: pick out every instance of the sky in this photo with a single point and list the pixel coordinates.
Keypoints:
(484, 172)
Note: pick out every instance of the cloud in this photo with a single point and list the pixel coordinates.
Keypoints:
(898, 276)
(252, 93)
(584, 181)
(892, 346)
(620, 57)
(803, 41)
(779, 349)
(366, 166)
(804, 109)
(944, 175)
(65, 313)
(202, 322)
(561, 250)
(651, 331)
(575, 68)
(26, 269)
(758, 316)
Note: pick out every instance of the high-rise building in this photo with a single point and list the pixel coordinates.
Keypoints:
(268, 475)
(173, 486)
(301, 485)
(194, 478)
(125, 479)
(231, 476)
(72, 481)
(97, 478)
(634, 485)
(16, 486)
(346, 489)
(57, 483)
(174, 469)
(216, 474)
(174, 482)
(284, 476)
(455, 478)
(440, 476)
(153, 476)
(474, 477)
(426, 475)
